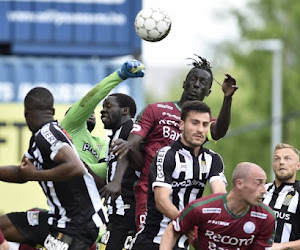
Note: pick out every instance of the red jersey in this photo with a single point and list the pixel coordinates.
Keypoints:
(158, 124)
(218, 228)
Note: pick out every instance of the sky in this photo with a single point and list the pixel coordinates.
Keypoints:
(196, 26)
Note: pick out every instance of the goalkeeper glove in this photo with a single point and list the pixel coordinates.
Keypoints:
(131, 69)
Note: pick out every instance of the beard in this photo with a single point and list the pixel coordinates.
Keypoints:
(90, 125)
(284, 177)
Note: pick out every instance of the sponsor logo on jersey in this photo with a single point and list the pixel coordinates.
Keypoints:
(287, 200)
(259, 215)
(47, 134)
(249, 227)
(164, 106)
(170, 133)
(53, 243)
(159, 164)
(188, 183)
(211, 210)
(229, 240)
(171, 115)
(218, 222)
(169, 122)
(88, 147)
(282, 215)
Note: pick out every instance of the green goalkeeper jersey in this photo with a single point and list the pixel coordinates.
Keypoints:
(91, 149)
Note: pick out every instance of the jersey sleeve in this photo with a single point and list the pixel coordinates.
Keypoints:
(161, 168)
(144, 121)
(217, 169)
(81, 110)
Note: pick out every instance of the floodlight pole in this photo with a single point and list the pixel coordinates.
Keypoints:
(275, 46)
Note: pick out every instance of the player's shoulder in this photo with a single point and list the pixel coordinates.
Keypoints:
(263, 212)
(209, 199)
(162, 105)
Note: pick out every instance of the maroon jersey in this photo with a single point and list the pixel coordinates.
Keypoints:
(158, 124)
(220, 229)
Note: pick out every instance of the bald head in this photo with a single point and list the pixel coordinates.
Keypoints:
(246, 169)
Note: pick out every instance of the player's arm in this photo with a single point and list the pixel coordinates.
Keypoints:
(292, 245)
(163, 203)
(129, 150)
(169, 238)
(81, 110)
(220, 126)
(12, 173)
(113, 188)
(218, 186)
(70, 166)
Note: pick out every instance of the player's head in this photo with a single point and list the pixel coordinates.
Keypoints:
(285, 163)
(249, 181)
(38, 105)
(117, 109)
(195, 120)
(198, 82)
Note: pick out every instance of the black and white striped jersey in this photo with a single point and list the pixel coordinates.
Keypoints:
(176, 168)
(125, 203)
(284, 200)
(74, 204)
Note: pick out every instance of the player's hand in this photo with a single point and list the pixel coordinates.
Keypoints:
(131, 69)
(112, 190)
(229, 86)
(119, 147)
(279, 246)
(28, 170)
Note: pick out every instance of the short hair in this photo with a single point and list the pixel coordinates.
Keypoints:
(285, 145)
(39, 98)
(201, 63)
(196, 106)
(125, 101)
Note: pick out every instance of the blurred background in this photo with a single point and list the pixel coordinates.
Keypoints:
(69, 46)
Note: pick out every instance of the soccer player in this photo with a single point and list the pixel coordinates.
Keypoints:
(178, 175)
(80, 118)
(158, 126)
(76, 210)
(236, 220)
(117, 113)
(283, 197)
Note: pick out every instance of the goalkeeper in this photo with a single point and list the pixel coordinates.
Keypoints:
(80, 119)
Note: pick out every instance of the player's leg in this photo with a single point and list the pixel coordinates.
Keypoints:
(121, 231)
(25, 227)
(140, 192)
(10, 232)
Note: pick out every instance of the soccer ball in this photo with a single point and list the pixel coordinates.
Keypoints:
(152, 25)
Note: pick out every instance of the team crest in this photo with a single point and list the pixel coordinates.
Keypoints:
(249, 227)
(203, 167)
(287, 200)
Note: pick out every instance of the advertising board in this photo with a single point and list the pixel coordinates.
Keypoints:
(102, 28)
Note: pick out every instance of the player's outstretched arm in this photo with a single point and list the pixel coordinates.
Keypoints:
(220, 126)
(81, 110)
